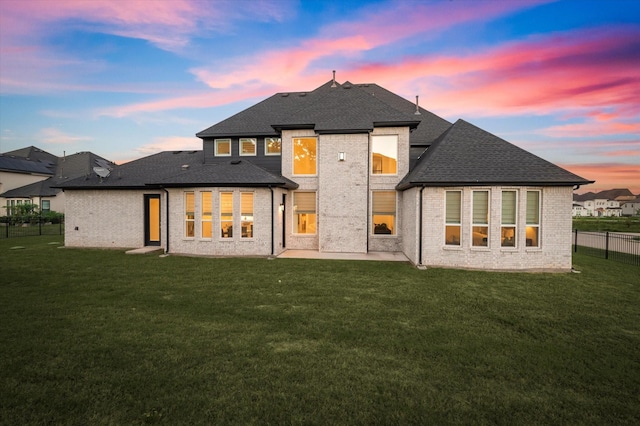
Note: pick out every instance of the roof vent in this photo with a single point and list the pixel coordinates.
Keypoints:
(284, 95)
(234, 162)
(417, 107)
(185, 166)
(303, 94)
(333, 83)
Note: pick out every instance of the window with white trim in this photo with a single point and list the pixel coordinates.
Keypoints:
(480, 219)
(246, 214)
(248, 146)
(46, 206)
(384, 154)
(304, 212)
(272, 146)
(453, 217)
(189, 214)
(304, 156)
(383, 211)
(508, 219)
(222, 147)
(533, 219)
(206, 217)
(226, 214)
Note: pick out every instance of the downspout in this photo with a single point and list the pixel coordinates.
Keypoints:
(166, 214)
(420, 229)
(368, 231)
(272, 220)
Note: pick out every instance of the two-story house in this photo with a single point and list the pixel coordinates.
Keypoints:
(346, 167)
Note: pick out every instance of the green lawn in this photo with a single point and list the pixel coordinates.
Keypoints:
(611, 224)
(99, 337)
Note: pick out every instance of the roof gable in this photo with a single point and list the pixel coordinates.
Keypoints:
(468, 155)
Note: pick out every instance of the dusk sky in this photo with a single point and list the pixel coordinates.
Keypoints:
(126, 79)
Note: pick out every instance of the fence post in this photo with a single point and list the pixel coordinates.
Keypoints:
(40, 225)
(606, 249)
(575, 242)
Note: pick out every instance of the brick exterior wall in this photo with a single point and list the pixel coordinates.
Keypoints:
(111, 219)
(554, 253)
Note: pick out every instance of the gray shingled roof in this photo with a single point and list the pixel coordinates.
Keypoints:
(22, 165)
(345, 108)
(468, 155)
(179, 169)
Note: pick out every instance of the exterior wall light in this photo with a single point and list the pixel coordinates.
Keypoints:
(342, 156)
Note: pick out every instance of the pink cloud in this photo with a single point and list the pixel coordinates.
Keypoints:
(591, 129)
(608, 176)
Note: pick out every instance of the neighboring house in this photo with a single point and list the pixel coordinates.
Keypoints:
(602, 204)
(579, 210)
(631, 208)
(343, 168)
(31, 175)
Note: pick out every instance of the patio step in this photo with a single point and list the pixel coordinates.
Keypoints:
(146, 250)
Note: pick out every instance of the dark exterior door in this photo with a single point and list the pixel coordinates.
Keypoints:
(152, 220)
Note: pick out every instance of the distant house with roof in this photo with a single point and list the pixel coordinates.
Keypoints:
(346, 167)
(32, 175)
(607, 203)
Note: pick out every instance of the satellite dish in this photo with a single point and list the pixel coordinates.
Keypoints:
(103, 172)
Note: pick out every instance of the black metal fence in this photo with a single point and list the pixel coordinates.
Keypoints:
(28, 226)
(609, 245)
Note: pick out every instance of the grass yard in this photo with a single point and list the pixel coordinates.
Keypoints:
(611, 224)
(100, 337)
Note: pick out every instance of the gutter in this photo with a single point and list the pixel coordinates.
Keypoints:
(272, 220)
(166, 214)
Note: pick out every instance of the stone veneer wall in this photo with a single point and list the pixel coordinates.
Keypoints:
(554, 253)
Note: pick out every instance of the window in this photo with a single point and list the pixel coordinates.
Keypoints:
(453, 218)
(246, 214)
(206, 216)
(304, 156)
(272, 146)
(247, 146)
(383, 209)
(226, 214)
(533, 219)
(223, 147)
(46, 206)
(304, 211)
(508, 218)
(189, 209)
(480, 217)
(384, 155)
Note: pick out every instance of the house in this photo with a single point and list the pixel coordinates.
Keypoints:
(32, 175)
(631, 208)
(346, 167)
(606, 203)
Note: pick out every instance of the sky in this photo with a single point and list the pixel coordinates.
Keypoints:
(126, 79)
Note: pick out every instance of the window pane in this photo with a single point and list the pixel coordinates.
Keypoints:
(532, 236)
(509, 207)
(481, 207)
(384, 212)
(272, 146)
(304, 156)
(246, 213)
(533, 207)
(223, 147)
(247, 146)
(189, 207)
(453, 206)
(452, 235)
(480, 236)
(508, 236)
(206, 215)
(384, 158)
(226, 214)
(304, 210)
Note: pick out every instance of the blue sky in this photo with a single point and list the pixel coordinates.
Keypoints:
(129, 79)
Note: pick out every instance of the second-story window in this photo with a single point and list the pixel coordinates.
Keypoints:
(223, 147)
(304, 156)
(384, 155)
(272, 146)
(248, 146)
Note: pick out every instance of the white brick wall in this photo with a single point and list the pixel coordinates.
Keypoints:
(554, 253)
